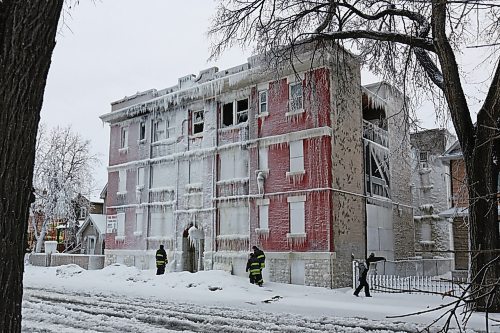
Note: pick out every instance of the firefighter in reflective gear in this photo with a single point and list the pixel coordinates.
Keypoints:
(161, 260)
(261, 257)
(255, 270)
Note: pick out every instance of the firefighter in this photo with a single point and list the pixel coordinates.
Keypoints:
(161, 260)
(255, 270)
(261, 257)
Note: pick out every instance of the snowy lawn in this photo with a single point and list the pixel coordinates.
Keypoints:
(229, 302)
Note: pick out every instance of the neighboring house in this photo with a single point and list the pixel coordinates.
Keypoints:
(431, 185)
(308, 165)
(57, 229)
(92, 234)
(458, 202)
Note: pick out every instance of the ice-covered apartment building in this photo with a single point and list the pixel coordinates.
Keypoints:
(298, 163)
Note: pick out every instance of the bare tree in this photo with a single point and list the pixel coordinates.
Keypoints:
(63, 172)
(408, 42)
(27, 39)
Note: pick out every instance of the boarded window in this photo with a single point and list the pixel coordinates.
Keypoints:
(233, 220)
(138, 221)
(195, 171)
(264, 216)
(122, 181)
(296, 156)
(162, 223)
(263, 159)
(140, 176)
(120, 224)
(297, 217)
(163, 175)
(233, 164)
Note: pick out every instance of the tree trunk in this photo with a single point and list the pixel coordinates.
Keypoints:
(27, 39)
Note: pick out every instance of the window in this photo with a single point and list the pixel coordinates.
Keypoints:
(234, 113)
(423, 156)
(227, 114)
(91, 245)
(297, 217)
(122, 181)
(120, 224)
(159, 130)
(138, 222)
(142, 131)
(264, 216)
(198, 120)
(162, 175)
(263, 159)
(83, 212)
(124, 137)
(233, 164)
(242, 111)
(296, 97)
(296, 156)
(233, 220)
(162, 223)
(195, 171)
(140, 177)
(263, 101)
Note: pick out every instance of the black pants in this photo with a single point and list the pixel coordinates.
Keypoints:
(362, 283)
(256, 279)
(160, 270)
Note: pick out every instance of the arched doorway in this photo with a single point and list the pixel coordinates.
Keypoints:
(193, 244)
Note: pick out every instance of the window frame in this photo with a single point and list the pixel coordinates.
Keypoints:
(292, 99)
(295, 156)
(194, 123)
(266, 103)
(123, 137)
(142, 131)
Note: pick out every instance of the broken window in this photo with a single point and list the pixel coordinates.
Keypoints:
(198, 120)
(227, 114)
(234, 113)
(295, 98)
(263, 101)
(242, 110)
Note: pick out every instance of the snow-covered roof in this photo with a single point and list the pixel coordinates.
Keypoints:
(99, 222)
(452, 153)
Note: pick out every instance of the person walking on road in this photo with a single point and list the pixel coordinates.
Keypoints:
(255, 270)
(363, 272)
(161, 260)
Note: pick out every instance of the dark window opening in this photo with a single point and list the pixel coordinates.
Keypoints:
(242, 110)
(142, 131)
(227, 114)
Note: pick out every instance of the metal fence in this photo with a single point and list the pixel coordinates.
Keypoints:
(411, 284)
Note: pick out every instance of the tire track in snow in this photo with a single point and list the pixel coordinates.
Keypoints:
(69, 312)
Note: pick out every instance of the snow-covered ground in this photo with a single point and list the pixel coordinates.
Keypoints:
(125, 299)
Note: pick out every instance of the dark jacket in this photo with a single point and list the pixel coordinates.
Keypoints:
(253, 266)
(261, 257)
(371, 259)
(161, 258)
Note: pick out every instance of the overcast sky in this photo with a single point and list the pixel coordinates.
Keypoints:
(110, 49)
